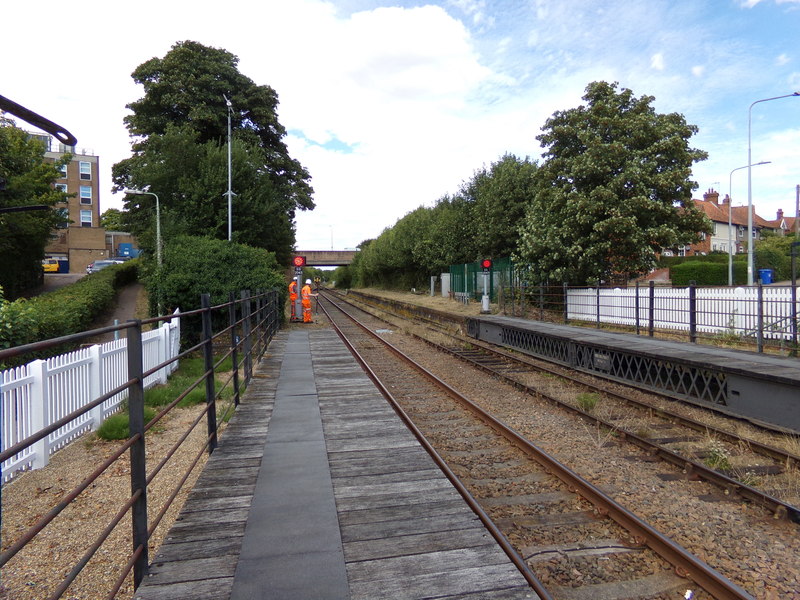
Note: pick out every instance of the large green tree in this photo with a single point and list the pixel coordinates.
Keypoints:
(500, 195)
(615, 187)
(26, 179)
(180, 152)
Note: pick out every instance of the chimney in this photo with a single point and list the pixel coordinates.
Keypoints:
(726, 200)
(711, 196)
(780, 214)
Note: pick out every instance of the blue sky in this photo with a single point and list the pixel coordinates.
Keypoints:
(391, 105)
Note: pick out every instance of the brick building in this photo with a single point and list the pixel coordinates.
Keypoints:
(722, 237)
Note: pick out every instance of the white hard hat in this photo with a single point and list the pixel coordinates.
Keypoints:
(295, 277)
(308, 281)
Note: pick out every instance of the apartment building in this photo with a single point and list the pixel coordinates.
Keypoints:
(82, 240)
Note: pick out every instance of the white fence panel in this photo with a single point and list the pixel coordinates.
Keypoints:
(37, 394)
(717, 310)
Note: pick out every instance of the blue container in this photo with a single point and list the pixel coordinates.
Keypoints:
(765, 275)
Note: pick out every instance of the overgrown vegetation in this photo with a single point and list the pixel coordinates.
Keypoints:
(194, 265)
(68, 310)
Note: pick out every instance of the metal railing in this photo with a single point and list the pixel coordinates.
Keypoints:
(757, 317)
(250, 322)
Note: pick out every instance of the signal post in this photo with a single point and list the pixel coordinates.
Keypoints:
(298, 262)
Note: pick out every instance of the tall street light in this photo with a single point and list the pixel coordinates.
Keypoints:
(229, 193)
(730, 225)
(158, 232)
(750, 183)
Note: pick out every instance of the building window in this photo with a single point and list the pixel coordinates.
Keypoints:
(86, 194)
(61, 187)
(63, 169)
(86, 218)
(85, 169)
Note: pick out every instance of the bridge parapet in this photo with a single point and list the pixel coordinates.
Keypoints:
(327, 258)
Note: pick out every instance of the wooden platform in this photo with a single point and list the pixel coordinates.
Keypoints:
(405, 532)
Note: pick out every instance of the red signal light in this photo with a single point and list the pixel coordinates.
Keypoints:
(299, 261)
(486, 263)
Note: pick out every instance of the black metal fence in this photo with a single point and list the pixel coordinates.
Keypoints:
(759, 317)
(251, 322)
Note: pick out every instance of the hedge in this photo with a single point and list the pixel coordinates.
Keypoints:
(707, 273)
(71, 309)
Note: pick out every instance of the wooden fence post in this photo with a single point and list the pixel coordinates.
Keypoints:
(40, 412)
(96, 384)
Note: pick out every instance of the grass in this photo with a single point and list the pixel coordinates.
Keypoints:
(116, 426)
(587, 401)
(718, 457)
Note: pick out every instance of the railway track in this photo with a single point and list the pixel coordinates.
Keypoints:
(764, 474)
(552, 522)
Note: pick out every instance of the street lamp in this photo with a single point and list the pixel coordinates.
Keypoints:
(158, 233)
(229, 193)
(750, 184)
(730, 208)
(158, 220)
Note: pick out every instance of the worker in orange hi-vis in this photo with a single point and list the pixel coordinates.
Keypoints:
(306, 297)
(293, 296)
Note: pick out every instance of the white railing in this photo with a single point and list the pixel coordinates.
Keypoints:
(41, 392)
(717, 310)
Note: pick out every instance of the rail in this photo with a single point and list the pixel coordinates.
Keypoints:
(239, 329)
(683, 561)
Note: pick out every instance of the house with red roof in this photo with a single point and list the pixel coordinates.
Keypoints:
(723, 236)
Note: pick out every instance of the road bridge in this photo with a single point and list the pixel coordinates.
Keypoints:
(327, 258)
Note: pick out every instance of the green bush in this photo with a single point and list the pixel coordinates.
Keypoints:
(71, 309)
(707, 273)
(774, 253)
(194, 265)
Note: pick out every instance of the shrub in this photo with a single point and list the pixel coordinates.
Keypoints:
(194, 265)
(71, 309)
(707, 273)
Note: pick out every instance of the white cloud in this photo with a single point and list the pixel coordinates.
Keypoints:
(657, 62)
(422, 96)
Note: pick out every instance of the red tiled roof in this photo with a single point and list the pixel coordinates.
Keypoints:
(719, 214)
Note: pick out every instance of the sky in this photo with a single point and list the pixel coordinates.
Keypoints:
(393, 105)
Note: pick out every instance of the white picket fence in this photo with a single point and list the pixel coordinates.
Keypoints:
(717, 310)
(41, 392)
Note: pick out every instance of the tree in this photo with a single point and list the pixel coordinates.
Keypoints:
(500, 196)
(613, 190)
(111, 220)
(180, 151)
(28, 179)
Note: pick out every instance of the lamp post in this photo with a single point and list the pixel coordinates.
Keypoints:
(158, 232)
(229, 193)
(750, 183)
(730, 225)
